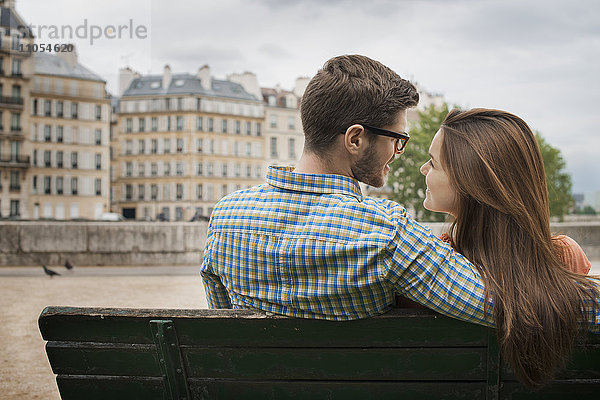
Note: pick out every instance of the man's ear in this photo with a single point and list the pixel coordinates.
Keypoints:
(355, 139)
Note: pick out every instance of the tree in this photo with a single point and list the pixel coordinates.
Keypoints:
(557, 179)
(405, 178)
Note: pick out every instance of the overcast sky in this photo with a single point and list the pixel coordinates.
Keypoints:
(537, 59)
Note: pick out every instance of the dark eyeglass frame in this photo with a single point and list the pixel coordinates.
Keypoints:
(402, 138)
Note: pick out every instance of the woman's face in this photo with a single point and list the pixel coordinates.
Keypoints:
(439, 196)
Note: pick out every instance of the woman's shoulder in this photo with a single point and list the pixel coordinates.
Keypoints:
(572, 254)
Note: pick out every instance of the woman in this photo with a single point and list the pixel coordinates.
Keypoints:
(486, 170)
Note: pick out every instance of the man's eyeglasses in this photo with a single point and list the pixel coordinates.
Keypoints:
(401, 137)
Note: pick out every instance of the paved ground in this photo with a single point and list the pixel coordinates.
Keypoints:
(24, 369)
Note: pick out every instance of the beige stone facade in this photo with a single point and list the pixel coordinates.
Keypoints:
(182, 142)
(69, 141)
(16, 70)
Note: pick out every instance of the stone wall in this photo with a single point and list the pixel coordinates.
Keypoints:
(154, 243)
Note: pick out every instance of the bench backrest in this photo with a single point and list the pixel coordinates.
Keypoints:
(100, 353)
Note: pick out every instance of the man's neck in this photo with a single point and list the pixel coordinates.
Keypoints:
(311, 163)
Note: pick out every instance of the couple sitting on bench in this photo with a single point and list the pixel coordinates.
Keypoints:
(308, 244)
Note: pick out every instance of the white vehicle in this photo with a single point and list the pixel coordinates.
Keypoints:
(111, 217)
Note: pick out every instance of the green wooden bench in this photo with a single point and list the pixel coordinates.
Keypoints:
(100, 353)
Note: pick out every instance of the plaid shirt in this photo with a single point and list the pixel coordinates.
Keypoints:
(312, 246)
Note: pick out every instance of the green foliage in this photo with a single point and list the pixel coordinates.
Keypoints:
(587, 210)
(557, 179)
(405, 178)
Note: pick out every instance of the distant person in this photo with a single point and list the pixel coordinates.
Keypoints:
(486, 171)
(309, 244)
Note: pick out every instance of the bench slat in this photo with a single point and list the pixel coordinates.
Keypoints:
(109, 387)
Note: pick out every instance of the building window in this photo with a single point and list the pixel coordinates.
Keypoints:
(199, 191)
(74, 110)
(59, 109)
(199, 145)
(141, 192)
(34, 184)
(15, 122)
(128, 147)
(179, 191)
(209, 169)
(73, 160)
(199, 123)
(34, 107)
(47, 160)
(141, 146)
(47, 108)
(141, 169)
(179, 123)
(224, 126)
(141, 124)
(179, 169)
(210, 125)
(128, 168)
(273, 147)
(273, 121)
(73, 186)
(47, 133)
(154, 124)
(97, 136)
(178, 213)
(238, 127)
(167, 169)
(291, 122)
(179, 104)
(154, 169)
(258, 127)
(248, 149)
(292, 148)
(98, 161)
(128, 192)
(179, 145)
(98, 186)
(154, 192)
(59, 134)
(223, 190)
(224, 170)
(16, 67)
(236, 170)
(14, 208)
(154, 147)
(34, 160)
(15, 184)
(168, 123)
(128, 125)
(59, 185)
(98, 112)
(59, 159)
(166, 145)
(248, 128)
(199, 169)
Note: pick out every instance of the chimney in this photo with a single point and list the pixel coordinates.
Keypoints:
(204, 76)
(166, 78)
(126, 76)
(69, 56)
(249, 83)
(301, 84)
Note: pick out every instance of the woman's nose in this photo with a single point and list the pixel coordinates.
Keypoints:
(423, 169)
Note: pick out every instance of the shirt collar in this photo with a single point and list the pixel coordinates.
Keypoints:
(286, 178)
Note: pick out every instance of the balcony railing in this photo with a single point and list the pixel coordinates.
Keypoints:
(13, 101)
(14, 160)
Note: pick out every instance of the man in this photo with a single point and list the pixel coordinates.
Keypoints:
(308, 244)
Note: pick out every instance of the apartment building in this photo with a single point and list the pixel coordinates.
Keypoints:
(183, 141)
(283, 126)
(69, 140)
(16, 69)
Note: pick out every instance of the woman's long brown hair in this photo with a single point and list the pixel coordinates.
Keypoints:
(502, 225)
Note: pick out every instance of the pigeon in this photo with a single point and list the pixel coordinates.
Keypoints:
(68, 265)
(49, 272)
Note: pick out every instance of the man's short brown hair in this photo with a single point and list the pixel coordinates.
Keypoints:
(352, 89)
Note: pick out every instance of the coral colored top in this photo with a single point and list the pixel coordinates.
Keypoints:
(571, 255)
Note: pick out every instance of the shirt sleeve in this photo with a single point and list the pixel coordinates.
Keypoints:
(572, 255)
(428, 271)
(216, 294)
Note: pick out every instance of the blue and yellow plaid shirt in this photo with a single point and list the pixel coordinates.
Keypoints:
(312, 246)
